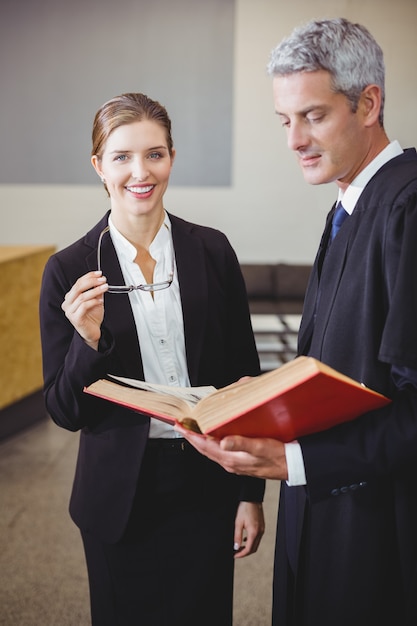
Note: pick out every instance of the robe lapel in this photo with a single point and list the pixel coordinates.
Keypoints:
(324, 282)
(312, 293)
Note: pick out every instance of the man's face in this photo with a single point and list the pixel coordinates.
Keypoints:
(330, 140)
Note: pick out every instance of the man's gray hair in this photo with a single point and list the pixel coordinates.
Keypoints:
(347, 51)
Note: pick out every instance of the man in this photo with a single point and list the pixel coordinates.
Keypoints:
(346, 551)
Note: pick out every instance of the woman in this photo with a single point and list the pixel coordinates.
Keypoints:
(160, 523)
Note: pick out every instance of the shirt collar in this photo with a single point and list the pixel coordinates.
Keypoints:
(351, 196)
(128, 251)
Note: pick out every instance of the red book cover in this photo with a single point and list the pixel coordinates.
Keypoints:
(299, 398)
(320, 402)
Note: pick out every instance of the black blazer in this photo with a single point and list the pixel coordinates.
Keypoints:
(219, 344)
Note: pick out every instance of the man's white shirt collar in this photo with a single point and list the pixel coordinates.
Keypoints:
(351, 196)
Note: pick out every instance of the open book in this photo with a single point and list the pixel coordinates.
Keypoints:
(301, 397)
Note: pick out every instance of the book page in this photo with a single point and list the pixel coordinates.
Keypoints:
(192, 395)
(240, 396)
(164, 406)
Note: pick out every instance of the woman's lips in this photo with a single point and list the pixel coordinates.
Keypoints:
(141, 191)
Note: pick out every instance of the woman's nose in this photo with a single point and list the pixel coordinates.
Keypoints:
(140, 170)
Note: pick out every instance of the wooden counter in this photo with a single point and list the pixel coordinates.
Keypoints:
(21, 269)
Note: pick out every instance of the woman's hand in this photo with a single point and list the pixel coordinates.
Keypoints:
(249, 528)
(84, 306)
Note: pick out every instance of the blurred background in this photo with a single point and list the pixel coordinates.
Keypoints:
(206, 62)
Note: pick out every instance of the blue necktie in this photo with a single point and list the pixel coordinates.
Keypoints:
(338, 218)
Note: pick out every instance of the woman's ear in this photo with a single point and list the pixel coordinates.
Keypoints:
(95, 161)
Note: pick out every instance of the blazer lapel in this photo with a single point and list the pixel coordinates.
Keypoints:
(118, 314)
(192, 277)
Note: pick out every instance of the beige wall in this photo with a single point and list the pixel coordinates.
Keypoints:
(269, 213)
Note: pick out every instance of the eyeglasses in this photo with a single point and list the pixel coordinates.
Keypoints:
(128, 288)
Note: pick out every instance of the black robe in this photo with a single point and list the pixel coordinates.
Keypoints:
(347, 543)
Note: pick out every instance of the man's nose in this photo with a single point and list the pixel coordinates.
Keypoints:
(297, 137)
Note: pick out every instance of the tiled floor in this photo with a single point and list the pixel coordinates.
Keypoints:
(43, 579)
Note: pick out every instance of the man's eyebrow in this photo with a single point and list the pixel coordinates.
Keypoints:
(306, 111)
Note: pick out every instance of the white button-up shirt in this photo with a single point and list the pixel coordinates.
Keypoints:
(158, 316)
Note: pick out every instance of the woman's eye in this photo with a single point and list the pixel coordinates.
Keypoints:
(121, 157)
(155, 155)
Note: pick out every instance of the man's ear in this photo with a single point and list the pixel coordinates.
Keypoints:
(370, 103)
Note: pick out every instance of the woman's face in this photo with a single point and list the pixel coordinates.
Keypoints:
(136, 165)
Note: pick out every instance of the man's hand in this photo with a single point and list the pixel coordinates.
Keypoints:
(262, 458)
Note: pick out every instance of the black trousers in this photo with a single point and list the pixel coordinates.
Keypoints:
(174, 564)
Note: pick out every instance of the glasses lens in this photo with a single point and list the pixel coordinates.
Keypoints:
(155, 286)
